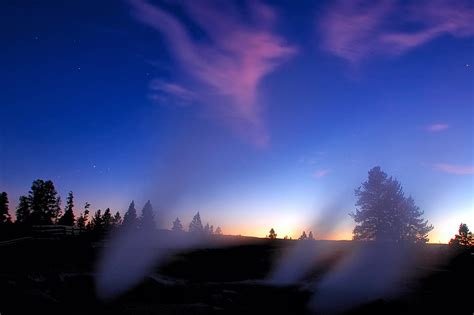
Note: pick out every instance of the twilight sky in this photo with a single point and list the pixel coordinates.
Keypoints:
(257, 114)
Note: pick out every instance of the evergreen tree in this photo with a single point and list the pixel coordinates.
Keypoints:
(130, 218)
(84, 217)
(196, 225)
(177, 226)
(303, 236)
(147, 219)
(207, 229)
(57, 211)
(4, 211)
(272, 235)
(117, 219)
(23, 211)
(384, 213)
(107, 219)
(211, 229)
(310, 236)
(464, 238)
(68, 216)
(218, 231)
(97, 222)
(44, 202)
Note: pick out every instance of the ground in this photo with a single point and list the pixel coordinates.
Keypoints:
(57, 276)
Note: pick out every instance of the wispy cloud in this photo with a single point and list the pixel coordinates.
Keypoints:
(437, 127)
(232, 60)
(160, 89)
(454, 169)
(321, 173)
(356, 30)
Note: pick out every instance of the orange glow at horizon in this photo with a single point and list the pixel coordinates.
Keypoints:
(440, 235)
(282, 232)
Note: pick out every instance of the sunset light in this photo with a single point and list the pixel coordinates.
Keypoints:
(236, 157)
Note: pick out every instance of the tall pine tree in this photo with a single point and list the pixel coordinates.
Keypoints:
(117, 219)
(107, 218)
(196, 225)
(23, 211)
(177, 226)
(44, 202)
(68, 216)
(272, 235)
(384, 213)
(130, 218)
(83, 218)
(4, 211)
(463, 238)
(97, 223)
(147, 219)
(303, 236)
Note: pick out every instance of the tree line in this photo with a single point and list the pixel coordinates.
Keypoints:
(385, 213)
(42, 206)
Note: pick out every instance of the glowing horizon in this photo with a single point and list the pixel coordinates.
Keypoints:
(236, 110)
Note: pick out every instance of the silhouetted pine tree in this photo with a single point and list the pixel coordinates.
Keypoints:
(147, 219)
(97, 222)
(211, 229)
(207, 229)
(130, 218)
(384, 213)
(272, 235)
(4, 211)
(218, 231)
(464, 238)
(196, 225)
(82, 221)
(177, 226)
(59, 212)
(44, 202)
(23, 211)
(310, 236)
(303, 236)
(117, 219)
(68, 216)
(107, 219)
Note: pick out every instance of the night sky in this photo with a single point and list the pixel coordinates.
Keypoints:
(256, 114)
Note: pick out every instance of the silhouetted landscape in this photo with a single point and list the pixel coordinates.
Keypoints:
(53, 261)
(237, 157)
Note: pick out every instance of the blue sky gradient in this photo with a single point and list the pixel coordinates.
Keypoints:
(100, 98)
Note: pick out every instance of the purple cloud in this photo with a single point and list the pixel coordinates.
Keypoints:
(356, 30)
(231, 63)
(437, 127)
(454, 169)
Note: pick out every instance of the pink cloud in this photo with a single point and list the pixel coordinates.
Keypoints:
(355, 30)
(233, 60)
(437, 127)
(454, 169)
(321, 173)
